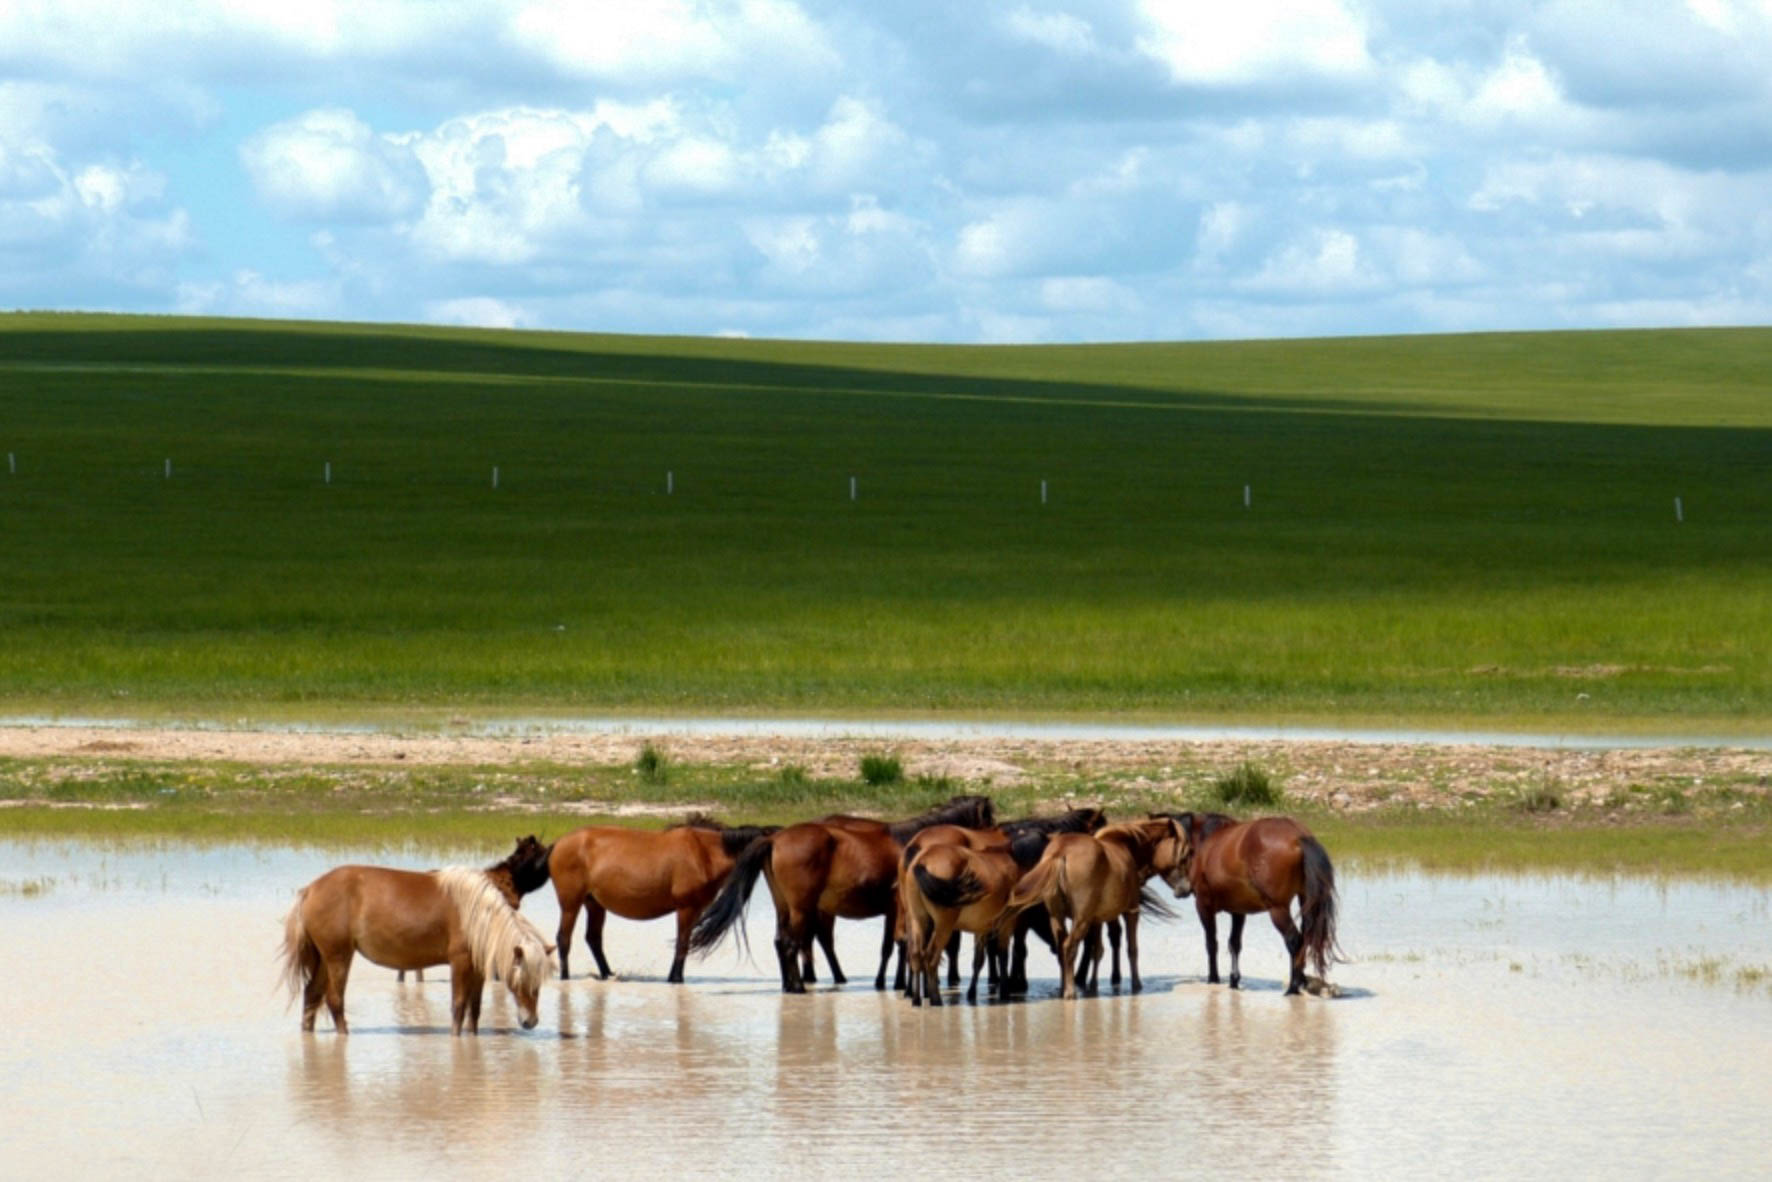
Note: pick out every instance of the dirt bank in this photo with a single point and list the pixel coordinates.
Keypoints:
(1351, 776)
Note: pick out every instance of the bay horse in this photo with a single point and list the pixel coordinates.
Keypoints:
(948, 888)
(1025, 839)
(1246, 867)
(410, 919)
(818, 871)
(522, 872)
(642, 874)
(1086, 879)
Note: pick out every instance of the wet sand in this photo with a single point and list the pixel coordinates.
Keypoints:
(1491, 1027)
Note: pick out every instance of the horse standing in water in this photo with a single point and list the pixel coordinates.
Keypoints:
(642, 874)
(948, 888)
(820, 870)
(407, 919)
(524, 871)
(1087, 879)
(1246, 867)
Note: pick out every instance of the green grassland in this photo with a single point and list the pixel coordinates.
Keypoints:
(1473, 529)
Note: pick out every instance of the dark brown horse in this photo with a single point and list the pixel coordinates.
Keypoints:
(642, 874)
(406, 919)
(838, 867)
(1245, 867)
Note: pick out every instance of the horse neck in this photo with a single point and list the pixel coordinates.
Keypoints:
(502, 877)
(970, 812)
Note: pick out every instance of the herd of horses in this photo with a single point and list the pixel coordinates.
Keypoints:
(1068, 879)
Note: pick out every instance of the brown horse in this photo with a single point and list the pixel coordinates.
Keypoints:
(1025, 839)
(1251, 866)
(947, 888)
(524, 871)
(642, 874)
(820, 870)
(1088, 879)
(405, 919)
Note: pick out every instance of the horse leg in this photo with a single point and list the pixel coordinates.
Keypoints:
(827, 940)
(978, 959)
(685, 925)
(1131, 953)
(465, 987)
(337, 966)
(1237, 947)
(1209, 922)
(888, 940)
(595, 915)
(1113, 934)
(953, 951)
(1066, 943)
(313, 993)
(569, 907)
(1282, 917)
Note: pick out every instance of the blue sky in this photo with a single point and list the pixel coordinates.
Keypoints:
(919, 170)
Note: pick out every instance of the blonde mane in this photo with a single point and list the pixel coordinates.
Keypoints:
(494, 929)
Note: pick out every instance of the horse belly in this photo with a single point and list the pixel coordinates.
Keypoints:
(631, 895)
(411, 942)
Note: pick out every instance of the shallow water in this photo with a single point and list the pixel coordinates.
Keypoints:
(1491, 1026)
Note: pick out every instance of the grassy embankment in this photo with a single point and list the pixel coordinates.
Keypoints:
(1474, 531)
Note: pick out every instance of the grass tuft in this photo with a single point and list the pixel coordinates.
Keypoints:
(652, 765)
(1248, 786)
(880, 770)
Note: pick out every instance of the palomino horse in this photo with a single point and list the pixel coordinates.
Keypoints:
(839, 867)
(949, 888)
(1025, 839)
(524, 871)
(1251, 866)
(641, 874)
(407, 919)
(1088, 879)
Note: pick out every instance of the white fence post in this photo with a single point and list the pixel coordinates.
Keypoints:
(328, 471)
(169, 469)
(1245, 496)
(1679, 511)
(495, 476)
(1042, 492)
(852, 488)
(670, 483)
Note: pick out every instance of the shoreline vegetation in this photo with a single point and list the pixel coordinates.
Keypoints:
(1687, 812)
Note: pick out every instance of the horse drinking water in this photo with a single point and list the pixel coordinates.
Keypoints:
(407, 919)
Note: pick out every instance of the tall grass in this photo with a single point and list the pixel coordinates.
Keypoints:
(1473, 527)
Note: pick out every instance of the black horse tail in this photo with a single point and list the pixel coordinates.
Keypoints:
(957, 891)
(727, 909)
(1152, 906)
(1317, 907)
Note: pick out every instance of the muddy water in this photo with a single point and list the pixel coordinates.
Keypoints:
(1490, 1027)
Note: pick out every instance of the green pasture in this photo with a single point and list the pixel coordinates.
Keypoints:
(1474, 529)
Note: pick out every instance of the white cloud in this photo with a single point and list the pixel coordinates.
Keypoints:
(477, 312)
(1061, 32)
(1254, 41)
(329, 165)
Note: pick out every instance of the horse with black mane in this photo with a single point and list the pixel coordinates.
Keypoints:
(1247, 867)
(643, 874)
(838, 867)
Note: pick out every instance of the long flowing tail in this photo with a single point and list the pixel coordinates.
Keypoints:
(727, 910)
(1033, 888)
(301, 959)
(1317, 908)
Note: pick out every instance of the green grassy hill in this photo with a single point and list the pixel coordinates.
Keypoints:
(1461, 528)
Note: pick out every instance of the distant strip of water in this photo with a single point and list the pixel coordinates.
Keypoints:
(941, 730)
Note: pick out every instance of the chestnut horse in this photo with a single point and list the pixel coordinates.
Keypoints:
(820, 870)
(1251, 866)
(1025, 839)
(947, 888)
(407, 919)
(1088, 879)
(524, 871)
(642, 874)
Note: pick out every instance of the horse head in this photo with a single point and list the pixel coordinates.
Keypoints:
(532, 962)
(528, 864)
(1172, 857)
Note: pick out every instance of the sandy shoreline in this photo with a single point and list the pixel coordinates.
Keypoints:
(1338, 774)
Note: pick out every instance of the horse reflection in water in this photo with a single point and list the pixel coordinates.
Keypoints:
(1247, 867)
(405, 919)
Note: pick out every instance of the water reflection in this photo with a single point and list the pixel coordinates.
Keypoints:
(1447, 1043)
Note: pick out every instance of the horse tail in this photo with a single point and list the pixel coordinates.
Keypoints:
(727, 909)
(957, 891)
(1317, 905)
(301, 957)
(1152, 906)
(1031, 890)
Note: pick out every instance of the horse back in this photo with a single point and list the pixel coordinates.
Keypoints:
(397, 918)
(1254, 865)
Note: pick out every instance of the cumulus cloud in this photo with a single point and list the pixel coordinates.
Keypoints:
(330, 166)
(1256, 41)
